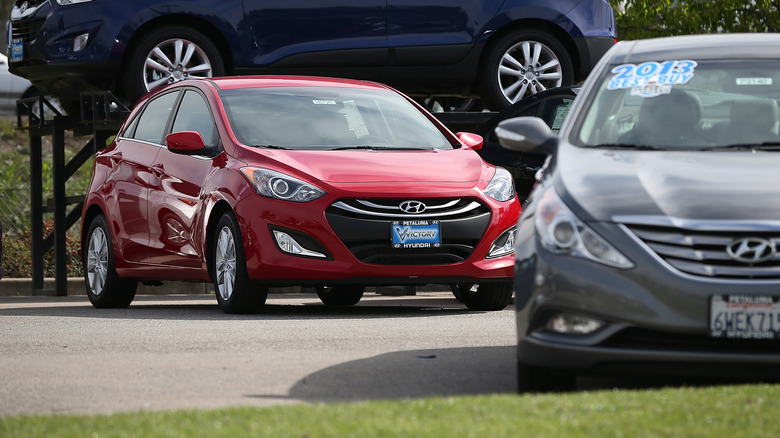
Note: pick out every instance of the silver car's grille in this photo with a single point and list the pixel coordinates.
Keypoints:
(364, 226)
(702, 248)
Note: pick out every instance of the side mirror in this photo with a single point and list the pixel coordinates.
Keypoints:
(186, 143)
(527, 134)
(471, 141)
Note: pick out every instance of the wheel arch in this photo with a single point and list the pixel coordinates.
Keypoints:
(220, 208)
(89, 215)
(213, 32)
(543, 26)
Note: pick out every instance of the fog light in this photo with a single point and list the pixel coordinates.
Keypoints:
(80, 42)
(504, 245)
(291, 246)
(567, 323)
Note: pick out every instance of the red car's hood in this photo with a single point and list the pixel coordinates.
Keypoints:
(366, 166)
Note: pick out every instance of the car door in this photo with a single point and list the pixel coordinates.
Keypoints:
(176, 199)
(436, 32)
(305, 33)
(130, 176)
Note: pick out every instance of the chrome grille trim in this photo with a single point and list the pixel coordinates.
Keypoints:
(473, 205)
(699, 247)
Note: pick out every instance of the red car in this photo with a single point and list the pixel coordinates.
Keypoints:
(252, 182)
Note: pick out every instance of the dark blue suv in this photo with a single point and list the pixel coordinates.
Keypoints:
(501, 50)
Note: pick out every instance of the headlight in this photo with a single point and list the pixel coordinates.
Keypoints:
(502, 186)
(560, 231)
(277, 185)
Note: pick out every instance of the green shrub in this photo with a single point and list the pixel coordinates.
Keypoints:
(17, 256)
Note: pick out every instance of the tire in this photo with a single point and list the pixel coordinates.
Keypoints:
(235, 291)
(485, 296)
(531, 379)
(340, 295)
(509, 72)
(104, 287)
(204, 61)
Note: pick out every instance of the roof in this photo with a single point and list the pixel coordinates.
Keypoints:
(713, 46)
(239, 82)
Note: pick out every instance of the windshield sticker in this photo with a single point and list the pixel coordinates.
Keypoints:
(651, 78)
(754, 81)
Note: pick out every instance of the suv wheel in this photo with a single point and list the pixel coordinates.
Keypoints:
(523, 63)
(170, 54)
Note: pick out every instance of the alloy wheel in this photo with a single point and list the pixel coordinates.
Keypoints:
(97, 261)
(226, 263)
(528, 67)
(174, 60)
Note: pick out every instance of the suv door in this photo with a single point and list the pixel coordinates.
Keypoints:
(305, 33)
(436, 32)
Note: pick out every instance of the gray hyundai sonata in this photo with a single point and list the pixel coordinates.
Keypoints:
(650, 242)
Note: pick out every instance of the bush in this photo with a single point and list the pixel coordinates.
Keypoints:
(17, 255)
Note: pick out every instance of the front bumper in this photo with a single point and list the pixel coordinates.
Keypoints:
(656, 319)
(267, 263)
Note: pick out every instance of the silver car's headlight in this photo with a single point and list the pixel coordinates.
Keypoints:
(278, 185)
(560, 231)
(501, 187)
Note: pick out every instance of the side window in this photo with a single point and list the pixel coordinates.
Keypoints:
(555, 111)
(194, 115)
(151, 125)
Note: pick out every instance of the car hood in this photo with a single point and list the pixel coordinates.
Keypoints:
(727, 185)
(368, 166)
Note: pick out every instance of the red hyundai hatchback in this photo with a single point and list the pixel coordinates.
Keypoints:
(254, 182)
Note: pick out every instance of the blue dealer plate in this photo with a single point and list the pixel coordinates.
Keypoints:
(17, 50)
(416, 234)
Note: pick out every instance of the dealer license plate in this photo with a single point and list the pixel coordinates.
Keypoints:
(745, 317)
(17, 50)
(416, 234)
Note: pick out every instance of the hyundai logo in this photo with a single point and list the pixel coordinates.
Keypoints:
(412, 207)
(752, 250)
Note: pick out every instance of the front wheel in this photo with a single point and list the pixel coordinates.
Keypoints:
(170, 54)
(236, 292)
(104, 287)
(340, 295)
(523, 63)
(485, 296)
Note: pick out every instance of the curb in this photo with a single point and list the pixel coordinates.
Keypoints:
(10, 287)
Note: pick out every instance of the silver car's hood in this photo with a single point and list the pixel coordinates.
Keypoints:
(727, 185)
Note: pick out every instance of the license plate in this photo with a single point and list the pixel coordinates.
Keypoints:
(17, 50)
(745, 317)
(416, 234)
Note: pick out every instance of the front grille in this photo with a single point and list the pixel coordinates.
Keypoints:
(365, 227)
(701, 248)
(26, 30)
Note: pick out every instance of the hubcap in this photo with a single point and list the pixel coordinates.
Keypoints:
(225, 264)
(526, 68)
(97, 261)
(175, 60)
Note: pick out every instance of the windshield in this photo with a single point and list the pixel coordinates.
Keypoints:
(684, 104)
(327, 118)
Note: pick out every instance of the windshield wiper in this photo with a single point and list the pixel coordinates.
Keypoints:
(269, 146)
(368, 147)
(627, 146)
(766, 146)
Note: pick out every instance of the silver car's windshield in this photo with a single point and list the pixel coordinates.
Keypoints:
(685, 104)
(329, 118)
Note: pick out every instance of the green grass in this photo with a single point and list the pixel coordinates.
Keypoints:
(722, 411)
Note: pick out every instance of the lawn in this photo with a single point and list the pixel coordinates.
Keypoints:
(717, 411)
